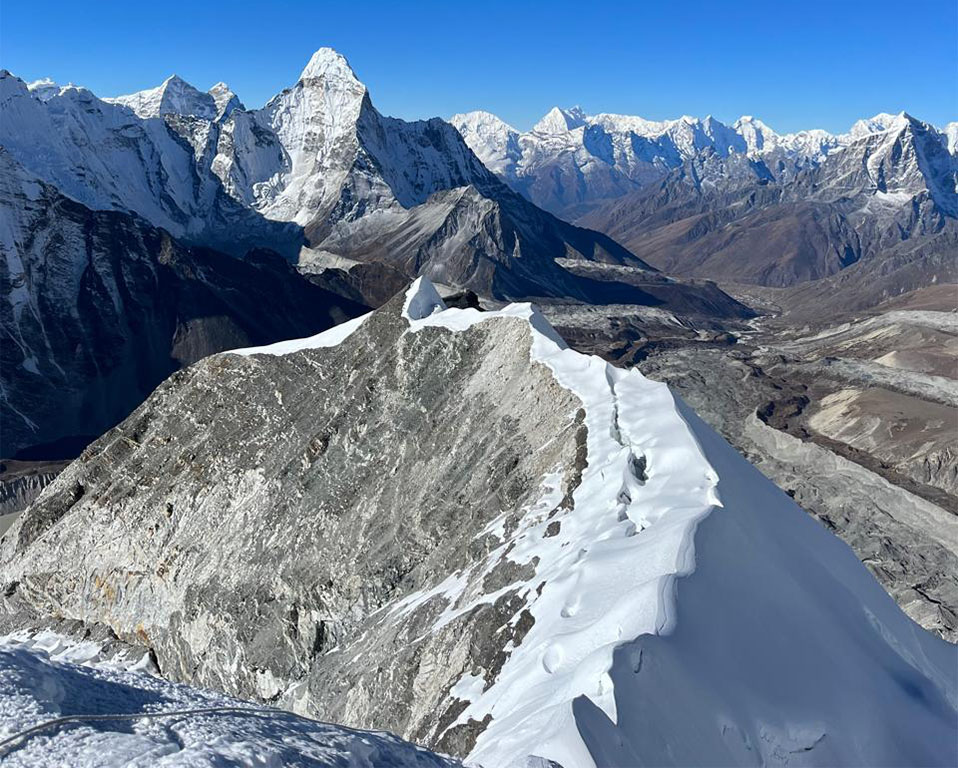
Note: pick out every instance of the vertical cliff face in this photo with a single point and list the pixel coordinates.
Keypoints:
(446, 523)
(99, 307)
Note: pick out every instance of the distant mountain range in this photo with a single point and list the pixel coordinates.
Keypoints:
(317, 167)
(744, 204)
(571, 162)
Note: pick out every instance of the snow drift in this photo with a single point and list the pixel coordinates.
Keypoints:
(776, 647)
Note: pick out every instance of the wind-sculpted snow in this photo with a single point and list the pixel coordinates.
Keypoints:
(605, 563)
(563, 679)
(159, 724)
(331, 338)
(446, 523)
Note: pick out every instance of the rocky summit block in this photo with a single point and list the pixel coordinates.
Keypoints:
(446, 523)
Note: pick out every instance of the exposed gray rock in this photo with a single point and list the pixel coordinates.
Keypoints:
(344, 492)
(20, 484)
(456, 528)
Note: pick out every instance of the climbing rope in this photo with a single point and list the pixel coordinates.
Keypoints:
(7, 743)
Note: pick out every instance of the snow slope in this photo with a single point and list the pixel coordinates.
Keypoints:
(687, 611)
(331, 338)
(45, 677)
(175, 96)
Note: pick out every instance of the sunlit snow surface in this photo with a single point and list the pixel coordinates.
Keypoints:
(47, 677)
(774, 647)
(329, 338)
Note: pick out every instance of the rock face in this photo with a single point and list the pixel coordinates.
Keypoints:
(175, 96)
(99, 307)
(20, 483)
(445, 523)
(17, 493)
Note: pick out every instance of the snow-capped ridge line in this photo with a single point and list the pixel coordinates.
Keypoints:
(332, 337)
(632, 537)
(610, 155)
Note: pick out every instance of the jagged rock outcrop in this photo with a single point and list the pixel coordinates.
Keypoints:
(445, 523)
(21, 483)
(16, 494)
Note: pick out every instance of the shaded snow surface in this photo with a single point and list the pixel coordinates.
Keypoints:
(46, 677)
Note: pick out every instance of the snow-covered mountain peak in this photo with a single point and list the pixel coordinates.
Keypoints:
(494, 141)
(330, 64)
(757, 135)
(881, 122)
(951, 132)
(481, 122)
(225, 100)
(558, 120)
(174, 96)
(44, 88)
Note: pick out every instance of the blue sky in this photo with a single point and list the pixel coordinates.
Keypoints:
(794, 64)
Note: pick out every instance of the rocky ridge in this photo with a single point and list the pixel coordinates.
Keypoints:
(484, 541)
